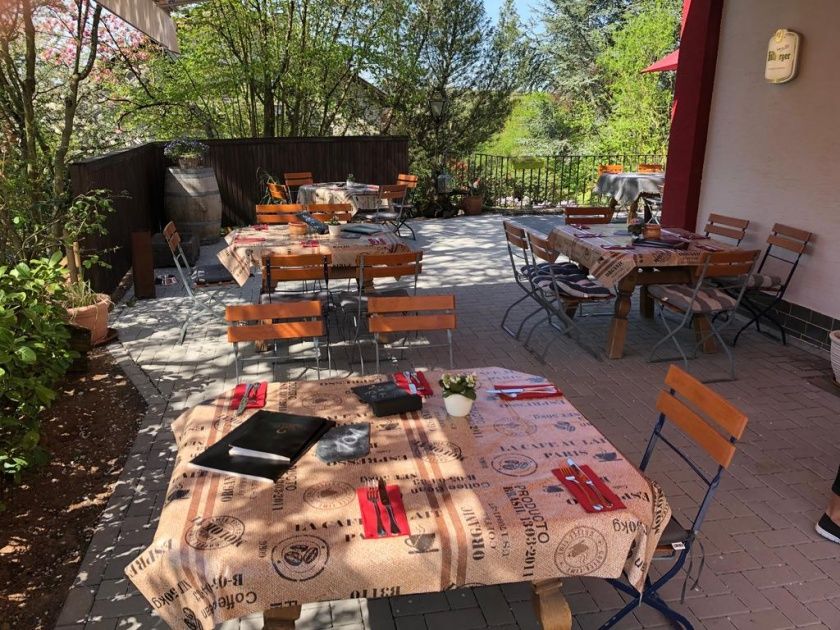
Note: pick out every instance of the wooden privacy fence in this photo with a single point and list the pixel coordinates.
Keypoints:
(139, 173)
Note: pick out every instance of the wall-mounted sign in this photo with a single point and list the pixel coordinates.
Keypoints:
(782, 56)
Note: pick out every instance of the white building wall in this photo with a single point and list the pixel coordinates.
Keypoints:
(773, 151)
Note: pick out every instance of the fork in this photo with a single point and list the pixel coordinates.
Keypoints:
(373, 497)
(569, 475)
(412, 388)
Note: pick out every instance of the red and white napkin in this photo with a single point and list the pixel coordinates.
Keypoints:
(255, 401)
(369, 513)
(419, 381)
(530, 391)
(584, 495)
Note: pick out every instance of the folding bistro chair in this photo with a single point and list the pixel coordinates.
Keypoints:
(730, 269)
(282, 269)
(393, 196)
(326, 211)
(730, 227)
(196, 281)
(406, 206)
(388, 315)
(271, 323)
(714, 425)
(650, 168)
(294, 181)
(278, 193)
(587, 215)
(399, 266)
(560, 292)
(612, 169)
(785, 247)
(279, 213)
(523, 268)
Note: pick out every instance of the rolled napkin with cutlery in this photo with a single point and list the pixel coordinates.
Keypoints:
(254, 393)
(590, 235)
(413, 383)
(590, 491)
(383, 513)
(525, 391)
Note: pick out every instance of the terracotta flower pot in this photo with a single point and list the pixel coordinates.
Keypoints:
(190, 162)
(458, 405)
(472, 205)
(93, 317)
(298, 229)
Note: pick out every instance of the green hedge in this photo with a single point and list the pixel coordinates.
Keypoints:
(34, 354)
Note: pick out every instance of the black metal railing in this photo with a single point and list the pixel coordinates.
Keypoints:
(547, 180)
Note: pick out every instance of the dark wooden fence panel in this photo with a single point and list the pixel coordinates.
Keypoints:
(371, 159)
(140, 173)
(136, 176)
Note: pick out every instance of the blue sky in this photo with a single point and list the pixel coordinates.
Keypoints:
(525, 8)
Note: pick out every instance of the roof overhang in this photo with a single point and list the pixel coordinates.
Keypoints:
(149, 16)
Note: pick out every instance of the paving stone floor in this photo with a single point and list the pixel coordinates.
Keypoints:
(765, 566)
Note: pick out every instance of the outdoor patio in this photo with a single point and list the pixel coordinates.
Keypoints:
(765, 567)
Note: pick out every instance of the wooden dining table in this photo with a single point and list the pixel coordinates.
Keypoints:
(247, 246)
(482, 503)
(597, 249)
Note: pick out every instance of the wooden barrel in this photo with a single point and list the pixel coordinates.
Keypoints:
(191, 199)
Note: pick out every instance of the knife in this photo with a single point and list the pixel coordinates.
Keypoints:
(245, 399)
(582, 476)
(386, 501)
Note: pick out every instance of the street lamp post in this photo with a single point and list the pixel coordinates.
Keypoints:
(437, 105)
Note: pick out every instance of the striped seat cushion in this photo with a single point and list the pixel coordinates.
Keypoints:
(576, 286)
(560, 269)
(763, 281)
(707, 300)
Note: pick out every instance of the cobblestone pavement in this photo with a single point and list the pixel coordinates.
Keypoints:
(765, 566)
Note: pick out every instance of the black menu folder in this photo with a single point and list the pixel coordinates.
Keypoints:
(387, 398)
(285, 437)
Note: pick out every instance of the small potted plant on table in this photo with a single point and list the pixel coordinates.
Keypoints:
(458, 393)
(334, 226)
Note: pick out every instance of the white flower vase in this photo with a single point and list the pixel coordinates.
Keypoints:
(834, 336)
(458, 405)
(335, 231)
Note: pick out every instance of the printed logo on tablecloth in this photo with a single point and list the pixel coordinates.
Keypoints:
(322, 400)
(514, 465)
(190, 620)
(214, 532)
(581, 551)
(439, 452)
(329, 495)
(421, 543)
(300, 558)
(515, 428)
(565, 426)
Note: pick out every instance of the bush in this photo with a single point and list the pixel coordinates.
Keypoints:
(34, 354)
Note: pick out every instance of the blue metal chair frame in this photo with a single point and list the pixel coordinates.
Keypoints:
(517, 245)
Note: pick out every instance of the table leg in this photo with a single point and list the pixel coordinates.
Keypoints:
(551, 607)
(701, 329)
(632, 211)
(618, 327)
(281, 618)
(645, 303)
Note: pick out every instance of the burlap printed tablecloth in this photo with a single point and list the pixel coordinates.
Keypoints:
(360, 196)
(246, 247)
(626, 188)
(483, 507)
(610, 266)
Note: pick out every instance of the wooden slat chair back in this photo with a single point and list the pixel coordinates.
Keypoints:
(409, 181)
(714, 426)
(326, 211)
(521, 265)
(612, 169)
(270, 323)
(587, 215)
(278, 192)
(391, 193)
(785, 247)
(726, 264)
(388, 315)
(372, 266)
(730, 227)
(279, 213)
(540, 247)
(279, 268)
(651, 168)
(295, 180)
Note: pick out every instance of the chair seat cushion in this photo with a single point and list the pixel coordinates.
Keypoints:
(560, 269)
(576, 286)
(763, 281)
(212, 274)
(385, 216)
(349, 300)
(674, 532)
(707, 300)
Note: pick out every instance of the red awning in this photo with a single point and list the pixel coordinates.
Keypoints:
(668, 62)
